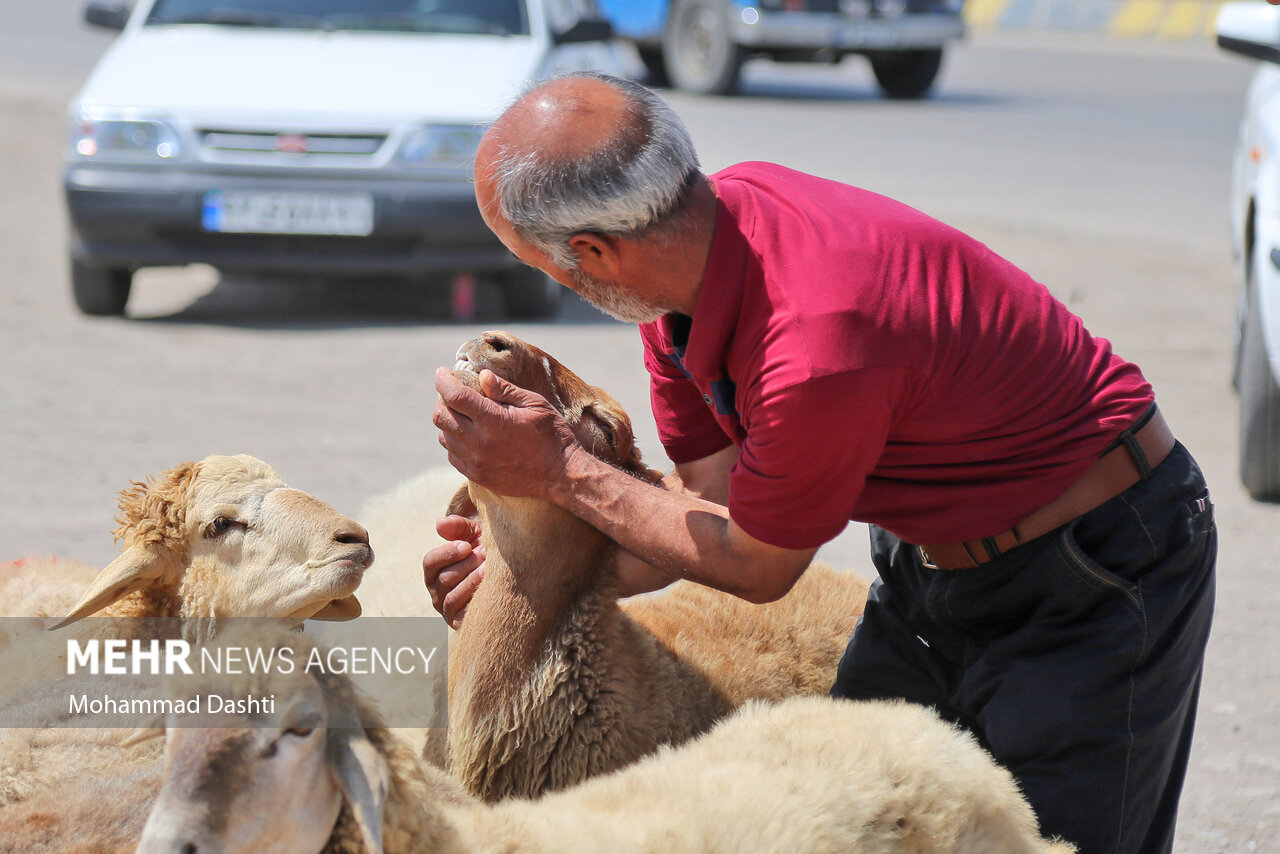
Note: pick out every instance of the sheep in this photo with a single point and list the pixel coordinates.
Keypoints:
(219, 538)
(808, 774)
(91, 815)
(551, 680)
(401, 521)
(223, 537)
(42, 586)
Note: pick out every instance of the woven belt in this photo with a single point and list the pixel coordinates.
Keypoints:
(1130, 459)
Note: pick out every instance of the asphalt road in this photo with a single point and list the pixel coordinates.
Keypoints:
(1101, 168)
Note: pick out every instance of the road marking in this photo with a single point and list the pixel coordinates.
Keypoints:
(1188, 20)
(1171, 20)
(983, 14)
(1138, 18)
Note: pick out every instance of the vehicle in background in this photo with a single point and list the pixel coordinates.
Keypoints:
(1253, 29)
(700, 45)
(287, 138)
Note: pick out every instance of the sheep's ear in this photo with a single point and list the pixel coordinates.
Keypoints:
(461, 504)
(339, 610)
(154, 512)
(131, 571)
(364, 777)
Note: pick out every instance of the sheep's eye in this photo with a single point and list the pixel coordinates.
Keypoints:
(220, 526)
(604, 426)
(296, 731)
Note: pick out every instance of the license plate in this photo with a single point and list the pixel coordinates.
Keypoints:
(288, 213)
(868, 34)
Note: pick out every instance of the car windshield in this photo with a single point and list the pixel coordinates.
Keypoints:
(492, 17)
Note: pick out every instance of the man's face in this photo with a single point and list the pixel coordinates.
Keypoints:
(613, 298)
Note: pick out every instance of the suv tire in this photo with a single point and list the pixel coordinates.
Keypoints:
(906, 74)
(699, 55)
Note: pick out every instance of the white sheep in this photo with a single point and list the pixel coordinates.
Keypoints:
(805, 775)
(401, 523)
(221, 537)
(552, 681)
(224, 537)
(42, 586)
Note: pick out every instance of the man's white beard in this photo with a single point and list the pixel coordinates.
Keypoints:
(615, 300)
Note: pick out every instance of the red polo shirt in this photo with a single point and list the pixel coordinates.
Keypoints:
(874, 364)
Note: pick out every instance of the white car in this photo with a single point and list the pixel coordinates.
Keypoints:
(1253, 29)
(305, 137)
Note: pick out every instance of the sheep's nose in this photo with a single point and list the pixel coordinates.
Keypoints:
(353, 535)
(189, 848)
(499, 342)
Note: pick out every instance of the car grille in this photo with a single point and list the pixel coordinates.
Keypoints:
(864, 8)
(230, 143)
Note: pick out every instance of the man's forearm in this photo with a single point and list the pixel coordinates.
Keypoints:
(675, 532)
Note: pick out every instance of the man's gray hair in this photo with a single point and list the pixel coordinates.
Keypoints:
(636, 182)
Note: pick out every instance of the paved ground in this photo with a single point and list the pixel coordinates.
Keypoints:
(1101, 169)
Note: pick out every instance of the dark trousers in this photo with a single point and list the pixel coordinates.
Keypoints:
(1074, 658)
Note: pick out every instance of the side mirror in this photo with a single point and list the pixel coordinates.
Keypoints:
(1251, 29)
(585, 30)
(109, 16)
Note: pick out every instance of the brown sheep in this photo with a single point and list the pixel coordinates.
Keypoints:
(551, 680)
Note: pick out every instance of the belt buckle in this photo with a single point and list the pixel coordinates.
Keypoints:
(925, 560)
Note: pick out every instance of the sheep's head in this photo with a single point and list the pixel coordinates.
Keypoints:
(229, 538)
(272, 783)
(599, 422)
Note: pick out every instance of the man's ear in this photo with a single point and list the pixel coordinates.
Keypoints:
(597, 254)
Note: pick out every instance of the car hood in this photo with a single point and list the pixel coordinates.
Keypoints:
(353, 79)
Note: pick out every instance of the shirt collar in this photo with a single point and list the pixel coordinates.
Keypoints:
(716, 315)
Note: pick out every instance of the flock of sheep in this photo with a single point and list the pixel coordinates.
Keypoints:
(681, 721)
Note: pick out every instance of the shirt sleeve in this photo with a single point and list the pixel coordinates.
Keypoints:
(809, 450)
(687, 429)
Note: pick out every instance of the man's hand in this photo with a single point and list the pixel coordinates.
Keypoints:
(453, 571)
(506, 439)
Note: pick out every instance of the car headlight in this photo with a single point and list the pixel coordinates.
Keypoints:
(450, 147)
(122, 137)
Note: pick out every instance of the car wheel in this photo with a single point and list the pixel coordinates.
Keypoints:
(100, 291)
(700, 55)
(1237, 331)
(1259, 409)
(531, 295)
(906, 74)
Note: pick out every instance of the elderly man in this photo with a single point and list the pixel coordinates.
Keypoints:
(819, 353)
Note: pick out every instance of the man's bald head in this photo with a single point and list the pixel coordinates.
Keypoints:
(570, 118)
(586, 152)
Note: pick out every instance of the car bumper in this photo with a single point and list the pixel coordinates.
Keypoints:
(130, 217)
(834, 31)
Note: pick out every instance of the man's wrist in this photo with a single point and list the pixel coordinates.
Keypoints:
(578, 464)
